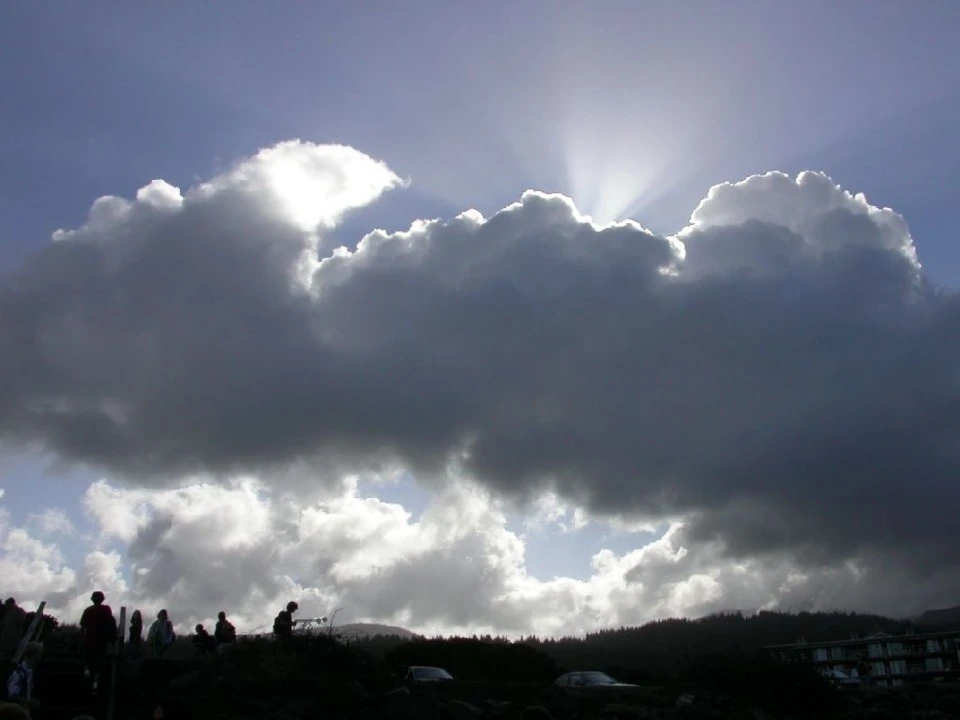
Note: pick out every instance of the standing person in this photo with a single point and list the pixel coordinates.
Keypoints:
(203, 641)
(135, 641)
(283, 623)
(20, 682)
(99, 629)
(224, 632)
(14, 618)
(161, 635)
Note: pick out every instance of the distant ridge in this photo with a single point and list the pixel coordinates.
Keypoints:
(362, 630)
(746, 612)
(944, 616)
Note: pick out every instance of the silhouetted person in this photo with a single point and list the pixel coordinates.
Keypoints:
(11, 631)
(20, 682)
(224, 632)
(99, 629)
(203, 641)
(283, 623)
(161, 635)
(135, 641)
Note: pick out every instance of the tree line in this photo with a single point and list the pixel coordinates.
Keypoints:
(659, 651)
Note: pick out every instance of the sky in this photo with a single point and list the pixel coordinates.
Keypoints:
(502, 317)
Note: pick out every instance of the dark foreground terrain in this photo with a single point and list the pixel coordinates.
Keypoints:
(321, 677)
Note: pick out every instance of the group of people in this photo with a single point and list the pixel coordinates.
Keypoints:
(99, 631)
(161, 635)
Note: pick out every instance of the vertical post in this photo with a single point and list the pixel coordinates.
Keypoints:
(118, 653)
(36, 627)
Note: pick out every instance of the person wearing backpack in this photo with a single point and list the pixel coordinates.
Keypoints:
(283, 623)
(224, 632)
(99, 628)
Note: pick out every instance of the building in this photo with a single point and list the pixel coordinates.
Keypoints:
(886, 659)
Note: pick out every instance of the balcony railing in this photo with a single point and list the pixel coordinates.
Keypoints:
(905, 653)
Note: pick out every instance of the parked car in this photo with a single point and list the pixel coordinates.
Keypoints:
(840, 678)
(590, 679)
(426, 674)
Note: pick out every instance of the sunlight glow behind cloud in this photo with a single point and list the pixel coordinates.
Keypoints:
(310, 184)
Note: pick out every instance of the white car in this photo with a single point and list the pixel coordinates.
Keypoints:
(426, 674)
(840, 678)
(589, 679)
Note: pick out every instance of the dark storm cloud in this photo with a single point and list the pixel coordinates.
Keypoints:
(781, 372)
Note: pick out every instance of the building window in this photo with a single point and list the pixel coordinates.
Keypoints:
(898, 667)
(934, 664)
(877, 669)
(820, 654)
(933, 646)
(837, 653)
(875, 650)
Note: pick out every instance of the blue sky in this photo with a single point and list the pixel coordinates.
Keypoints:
(105, 98)
(630, 108)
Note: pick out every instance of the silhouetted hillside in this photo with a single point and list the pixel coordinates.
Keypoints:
(947, 618)
(371, 630)
(661, 649)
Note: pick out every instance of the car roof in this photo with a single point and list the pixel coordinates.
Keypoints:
(585, 672)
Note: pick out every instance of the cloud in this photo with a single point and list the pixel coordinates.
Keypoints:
(204, 547)
(53, 521)
(778, 378)
(248, 549)
(28, 566)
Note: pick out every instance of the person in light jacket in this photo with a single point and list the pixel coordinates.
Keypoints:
(161, 635)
